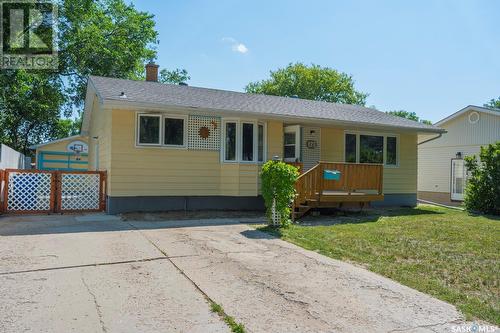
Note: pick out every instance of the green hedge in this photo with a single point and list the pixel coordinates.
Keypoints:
(278, 182)
(482, 193)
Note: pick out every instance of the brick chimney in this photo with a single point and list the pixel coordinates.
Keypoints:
(152, 72)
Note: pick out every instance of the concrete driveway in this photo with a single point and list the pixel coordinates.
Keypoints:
(97, 273)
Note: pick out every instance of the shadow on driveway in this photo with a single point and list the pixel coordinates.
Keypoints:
(59, 224)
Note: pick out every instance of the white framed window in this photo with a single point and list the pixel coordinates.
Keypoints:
(291, 143)
(148, 129)
(161, 130)
(175, 131)
(376, 148)
(230, 141)
(243, 141)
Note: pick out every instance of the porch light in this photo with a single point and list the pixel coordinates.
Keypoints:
(458, 154)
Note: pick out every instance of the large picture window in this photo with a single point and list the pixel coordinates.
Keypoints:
(371, 148)
(243, 141)
(161, 130)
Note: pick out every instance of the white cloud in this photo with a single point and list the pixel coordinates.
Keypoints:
(240, 47)
(235, 45)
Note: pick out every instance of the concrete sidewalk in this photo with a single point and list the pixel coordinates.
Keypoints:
(143, 281)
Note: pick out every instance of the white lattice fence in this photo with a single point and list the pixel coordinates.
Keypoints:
(29, 191)
(204, 133)
(80, 191)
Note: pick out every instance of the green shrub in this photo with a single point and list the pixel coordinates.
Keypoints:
(482, 193)
(278, 180)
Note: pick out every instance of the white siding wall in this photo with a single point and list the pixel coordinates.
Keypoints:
(310, 156)
(11, 159)
(434, 158)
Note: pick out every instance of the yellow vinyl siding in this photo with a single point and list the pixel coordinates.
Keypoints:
(274, 139)
(153, 171)
(100, 134)
(401, 179)
(332, 145)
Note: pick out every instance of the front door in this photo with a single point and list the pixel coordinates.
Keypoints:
(458, 179)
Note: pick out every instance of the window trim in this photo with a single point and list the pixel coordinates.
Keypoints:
(384, 135)
(184, 131)
(397, 150)
(264, 142)
(162, 117)
(138, 129)
(239, 140)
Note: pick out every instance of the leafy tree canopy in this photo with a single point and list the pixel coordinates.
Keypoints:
(29, 107)
(175, 76)
(493, 103)
(310, 82)
(409, 115)
(103, 37)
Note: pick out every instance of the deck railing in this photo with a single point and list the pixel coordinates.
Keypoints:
(354, 178)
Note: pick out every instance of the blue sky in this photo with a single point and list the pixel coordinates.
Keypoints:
(429, 57)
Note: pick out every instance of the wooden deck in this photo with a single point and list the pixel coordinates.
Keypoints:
(358, 183)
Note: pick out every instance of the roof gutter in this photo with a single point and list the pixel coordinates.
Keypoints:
(431, 139)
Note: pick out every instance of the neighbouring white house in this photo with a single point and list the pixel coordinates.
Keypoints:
(11, 159)
(441, 171)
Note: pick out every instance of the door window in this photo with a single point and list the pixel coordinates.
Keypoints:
(458, 179)
(291, 144)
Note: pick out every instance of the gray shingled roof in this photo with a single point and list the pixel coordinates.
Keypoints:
(110, 89)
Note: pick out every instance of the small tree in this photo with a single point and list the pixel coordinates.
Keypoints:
(278, 189)
(483, 185)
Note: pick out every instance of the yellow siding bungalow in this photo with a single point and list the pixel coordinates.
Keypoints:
(176, 147)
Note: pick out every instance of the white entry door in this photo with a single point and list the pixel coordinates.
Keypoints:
(458, 179)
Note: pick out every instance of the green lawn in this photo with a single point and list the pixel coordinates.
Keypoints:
(442, 252)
